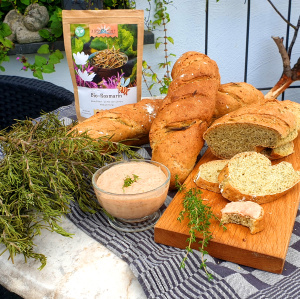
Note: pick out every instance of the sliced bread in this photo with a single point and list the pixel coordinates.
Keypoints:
(277, 152)
(247, 213)
(250, 176)
(267, 125)
(207, 175)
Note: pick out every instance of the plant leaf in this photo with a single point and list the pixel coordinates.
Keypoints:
(44, 49)
(40, 60)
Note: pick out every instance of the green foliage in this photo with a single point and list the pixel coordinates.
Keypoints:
(199, 215)
(44, 169)
(20, 5)
(42, 64)
(99, 44)
(5, 44)
(161, 19)
(118, 4)
(126, 41)
(55, 29)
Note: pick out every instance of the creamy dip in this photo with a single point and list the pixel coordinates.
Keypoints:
(142, 198)
(149, 177)
(245, 208)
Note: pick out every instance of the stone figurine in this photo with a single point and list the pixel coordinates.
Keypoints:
(25, 28)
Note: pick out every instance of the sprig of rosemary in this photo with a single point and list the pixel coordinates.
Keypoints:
(199, 215)
(44, 169)
(128, 181)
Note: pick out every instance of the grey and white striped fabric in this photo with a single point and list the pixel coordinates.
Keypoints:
(157, 266)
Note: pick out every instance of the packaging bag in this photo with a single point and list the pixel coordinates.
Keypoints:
(104, 50)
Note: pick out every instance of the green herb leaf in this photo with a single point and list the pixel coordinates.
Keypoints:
(199, 215)
(45, 167)
(128, 181)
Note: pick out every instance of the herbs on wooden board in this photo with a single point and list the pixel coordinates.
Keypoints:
(199, 215)
(43, 169)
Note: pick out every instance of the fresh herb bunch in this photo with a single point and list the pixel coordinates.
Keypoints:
(199, 215)
(43, 169)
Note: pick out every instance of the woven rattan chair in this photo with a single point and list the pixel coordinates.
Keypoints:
(22, 98)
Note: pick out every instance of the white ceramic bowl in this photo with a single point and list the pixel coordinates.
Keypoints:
(132, 207)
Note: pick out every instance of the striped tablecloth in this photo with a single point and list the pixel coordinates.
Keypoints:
(156, 266)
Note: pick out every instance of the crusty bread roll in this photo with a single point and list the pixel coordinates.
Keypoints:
(232, 96)
(266, 125)
(129, 124)
(176, 134)
(207, 175)
(247, 213)
(250, 176)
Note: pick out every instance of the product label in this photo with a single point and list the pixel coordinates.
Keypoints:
(105, 58)
(93, 100)
(104, 30)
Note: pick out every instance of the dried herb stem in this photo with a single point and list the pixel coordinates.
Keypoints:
(109, 59)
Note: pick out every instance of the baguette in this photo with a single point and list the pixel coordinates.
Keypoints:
(250, 176)
(176, 134)
(129, 124)
(249, 128)
(207, 175)
(247, 213)
(232, 96)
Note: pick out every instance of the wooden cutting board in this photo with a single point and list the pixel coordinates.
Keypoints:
(265, 250)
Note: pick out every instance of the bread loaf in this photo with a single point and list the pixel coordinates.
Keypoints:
(129, 124)
(247, 213)
(232, 96)
(267, 125)
(207, 175)
(176, 134)
(294, 108)
(250, 176)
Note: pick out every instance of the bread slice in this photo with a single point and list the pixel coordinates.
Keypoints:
(268, 125)
(250, 176)
(207, 175)
(247, 213)
(277, 152)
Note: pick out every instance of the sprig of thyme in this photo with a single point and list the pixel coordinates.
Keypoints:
(128, 181)
(199, 215)
(44, 168)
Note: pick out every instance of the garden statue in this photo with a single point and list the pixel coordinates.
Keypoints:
(25, 28)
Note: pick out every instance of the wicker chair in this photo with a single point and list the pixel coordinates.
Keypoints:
(22, 98)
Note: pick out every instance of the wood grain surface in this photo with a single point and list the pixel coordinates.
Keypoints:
(265, 250)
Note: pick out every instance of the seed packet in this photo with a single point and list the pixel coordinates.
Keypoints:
(104, 51)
